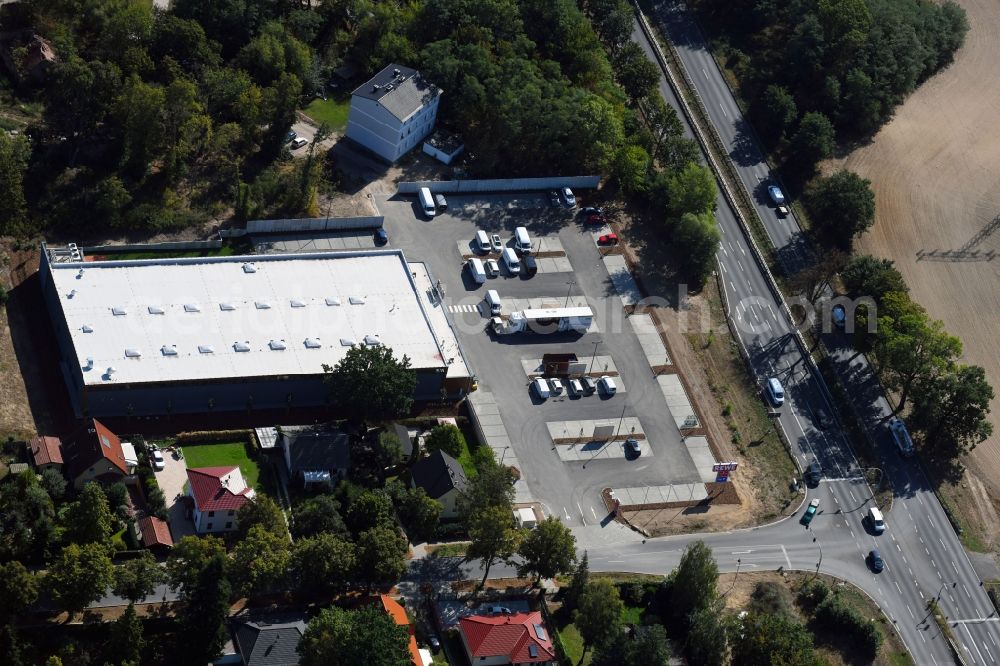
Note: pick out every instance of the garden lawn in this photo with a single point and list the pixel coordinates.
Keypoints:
(332, 111)
(223, 455)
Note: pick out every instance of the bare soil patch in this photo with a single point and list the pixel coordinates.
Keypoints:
(935, 169)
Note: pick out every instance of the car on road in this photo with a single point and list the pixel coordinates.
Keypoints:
(554, 198)
(575, 387)
(607, 385)
(158, 462)
(608, 239)
(556, 385)
(492, 267)
(299, 142)
(900, 435)
(813, 474)
(496, 242)
(591, 210)
(589, 385)
(381, 237)
(876, 520)
(823, 420)
(633, 447)
(875, 560)
(775, 392)
(529, 266)
(777, 196)
(568, 197)
(839, 316)
(541, 387)
(782, 211)
(810, 513)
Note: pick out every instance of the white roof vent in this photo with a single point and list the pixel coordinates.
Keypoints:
(227, 307)
(277, 345)
(241, 346)
(347, 342)
(118, 312)
(168, 350)
(155, 309)
(191, 307)
(262, 305)
(111, 371)
(312, 343)
(132, 352)
(297, 303)
(71, 294)
(372, 340)
(357, 300)
(249, 268)
(206, 349)
(333, 301)
(90, 363)
(87, 328)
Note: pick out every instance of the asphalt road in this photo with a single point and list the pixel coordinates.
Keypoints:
(924, 558)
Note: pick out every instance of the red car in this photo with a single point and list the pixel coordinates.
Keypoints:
(608, 239)
(596, 218)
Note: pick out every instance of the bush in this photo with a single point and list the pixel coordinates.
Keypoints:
(834, 615)
(770, 598)
(812, 594)
(632, 594)
(447, 438)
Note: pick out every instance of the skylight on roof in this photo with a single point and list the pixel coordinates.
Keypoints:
(347, 342)
(249, 268)
(312, 343)
(297, 303)
(206, 349)
(333, 301)
(372, 340)
(118, 312)
(132, 352)
(540, 632)
(155, 309)
(227, 307)
(87, 328)
(241, 346)
(533, 650)
(191, 307)
(277, 345)
(168, 350)
(262, 305)
(357, 300)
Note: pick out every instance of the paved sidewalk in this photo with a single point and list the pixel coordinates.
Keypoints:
(484, 407)
(649, 339)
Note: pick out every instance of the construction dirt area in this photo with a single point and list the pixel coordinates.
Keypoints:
(935, 169)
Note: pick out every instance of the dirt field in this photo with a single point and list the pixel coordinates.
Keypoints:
(935, 169)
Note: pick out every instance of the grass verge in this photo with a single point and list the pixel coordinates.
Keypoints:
(448, 550)
(223, 455)
(332, 111)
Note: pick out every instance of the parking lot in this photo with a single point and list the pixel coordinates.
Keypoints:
(565, 473)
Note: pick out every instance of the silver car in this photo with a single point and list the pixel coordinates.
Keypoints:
(496, 242)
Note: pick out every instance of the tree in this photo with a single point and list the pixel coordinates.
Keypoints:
(598, 614)
(492, 487)
(773, 639)
(548, 550)
(137, 578)
(382, 549)
(369, 382)
(27, 527)
(689, 190)
(316, 515)
(188, 559)
(648, 647)
(88, 519)
(81, 574)
(260, 561)
(578, 583)
(814, 140)
(118, 503)
(324, 560)
(699, 237)
(951, 409)
(631, 168)
(370, 509)
(865, 275)
(14, 153)
(419, 514)
(54, 483)
(138, 114)
(263, 512)
(388, 450)
(11, 646)
(775, 112)
(708, 635)
(446, 437)
(670, 148)
(842, 206)
(493, 536)
(365, 636)
(202, 619)
(813, 280)
(18, 590)
(694, 580)
(125, 640)
(635, 72)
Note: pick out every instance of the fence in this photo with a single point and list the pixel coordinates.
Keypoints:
(314, 224)
(500, 184)
(213, 244)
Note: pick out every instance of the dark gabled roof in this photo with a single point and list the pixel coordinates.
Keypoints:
(438, 473)
(405, 441)
(402, 91)
(265, 644)
(316, 449)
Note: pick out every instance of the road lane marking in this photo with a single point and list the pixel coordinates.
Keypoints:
(785, 552)
(742, 270)
(723, 267)
(940, 577)
(723, 110)
(988, 650)
(725, 250)
(969, 633)
(920, 499)
(911, 612)
(898, 548)
(922, 597)
(704, 72)
(932, 562)
(993, 639)
(567, 514)
(851, 493)
(593, 512)
(732, 285)
(967, 593)
(582, 517)
(898, 587)
(954, 565)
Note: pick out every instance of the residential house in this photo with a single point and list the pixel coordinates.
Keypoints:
(398, 613)
(264, 643)
(154, 533)
(47, 453)
(442, 478)
(217, 493)
(499, 640)
(315, 455)
(406, 439)
(393, 111)
(26, 56)
(97, 455)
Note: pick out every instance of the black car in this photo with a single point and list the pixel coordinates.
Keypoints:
(381, 237)
(875, 559)
(591, 210)
(529, 266)
(589, 385)
(823, 420)
(813, 473)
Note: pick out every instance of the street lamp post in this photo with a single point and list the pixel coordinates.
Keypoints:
(570, 284)
(594, 357)
(820, 546)
(733, 586)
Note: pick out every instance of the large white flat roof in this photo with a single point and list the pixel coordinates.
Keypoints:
(161, 320)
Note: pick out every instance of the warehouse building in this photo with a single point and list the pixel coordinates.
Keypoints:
(195, 335)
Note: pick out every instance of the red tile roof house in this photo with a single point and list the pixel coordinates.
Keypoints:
(46, 453)
(498, 640)
(398, 613)
(97, 455)
(218, 493)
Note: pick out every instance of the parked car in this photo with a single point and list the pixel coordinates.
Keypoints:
(810, 513)
(492, 267)
(496, 242)
(568, 197)
(839, 316)
(554, 198)
(381, 237)
(291, 136)
(575, 387)
(589, 385)
(556, 385)
(875, 559)
(608, 239)
(813, 474)
(633, 447)
(541, 387)
(777, 196)
(591, 210)
(441, 202)
(529, 265)
(498, 610)
(299, 142)
(595, 219)
(607, 385)
(158, 462)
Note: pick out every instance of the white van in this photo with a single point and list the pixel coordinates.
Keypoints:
(775, 392)
(483, 241)
(493, 300)
(476, 270)
(541, 387)
(876, 520)
(427, 202)
(521, 240)
(511, 261)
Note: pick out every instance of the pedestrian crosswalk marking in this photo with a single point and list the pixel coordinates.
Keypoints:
(463, 308)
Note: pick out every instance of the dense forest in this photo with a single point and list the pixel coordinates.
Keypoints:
(841, 63)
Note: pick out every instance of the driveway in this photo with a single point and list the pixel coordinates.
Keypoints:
(172, 479)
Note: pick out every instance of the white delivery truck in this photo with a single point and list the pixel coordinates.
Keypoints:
(552, 320)
(521, 240)
(427, 202)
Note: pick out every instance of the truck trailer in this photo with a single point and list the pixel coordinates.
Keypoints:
(552, 320)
